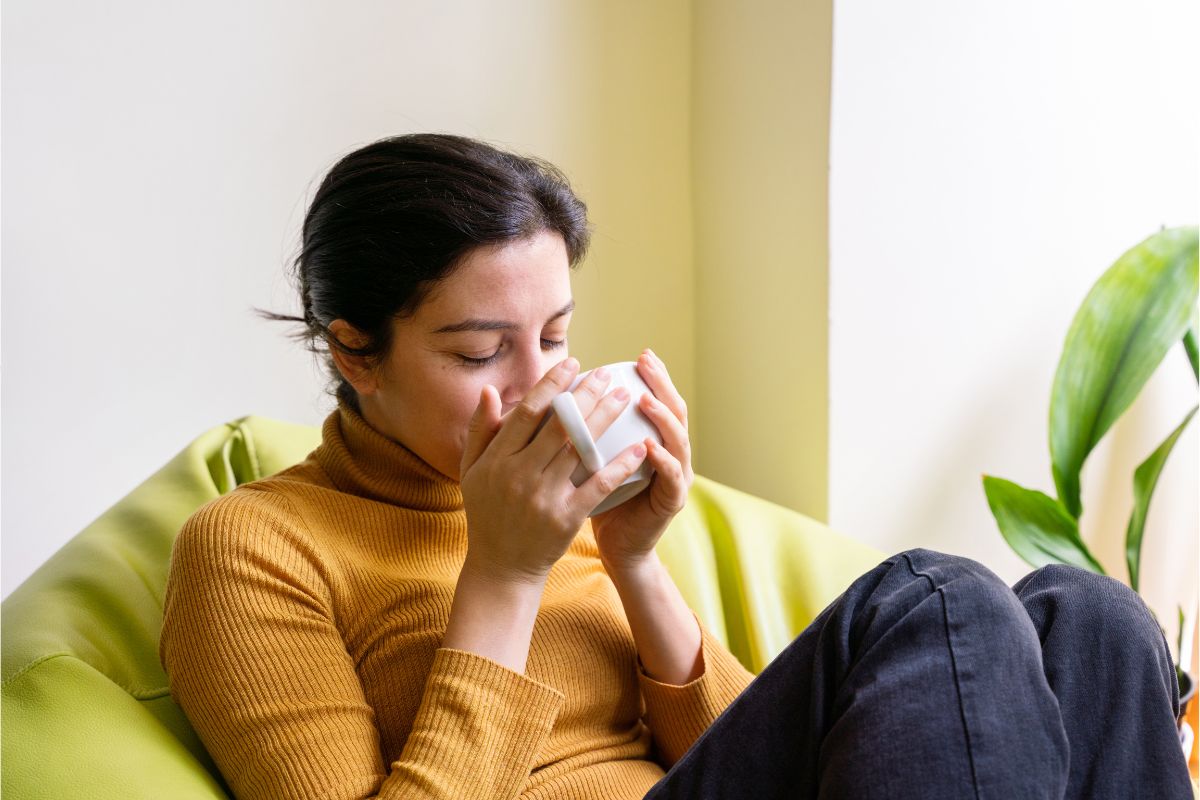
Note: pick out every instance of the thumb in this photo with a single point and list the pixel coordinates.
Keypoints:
(482, 428)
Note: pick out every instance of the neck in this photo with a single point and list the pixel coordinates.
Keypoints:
(363, 459)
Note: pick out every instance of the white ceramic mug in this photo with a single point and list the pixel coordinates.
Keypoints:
(630, 427)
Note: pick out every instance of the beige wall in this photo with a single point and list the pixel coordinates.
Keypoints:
(628, 153)
(760, 124)
(157, 160)
(154, 189)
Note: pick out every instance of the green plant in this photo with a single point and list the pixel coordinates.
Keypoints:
(1134, 314)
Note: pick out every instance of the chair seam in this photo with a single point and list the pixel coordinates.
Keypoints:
(31, 665)
(136, 694)
(251, 450)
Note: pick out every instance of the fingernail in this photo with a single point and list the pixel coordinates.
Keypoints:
(602, 373)
(639, 451)
(568, 364)
(621, 393)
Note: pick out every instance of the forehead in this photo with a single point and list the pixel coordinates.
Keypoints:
(515, 280)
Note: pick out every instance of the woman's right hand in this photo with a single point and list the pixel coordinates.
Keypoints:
(523, 511)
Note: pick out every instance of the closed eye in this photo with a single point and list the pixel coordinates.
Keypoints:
(467, 361)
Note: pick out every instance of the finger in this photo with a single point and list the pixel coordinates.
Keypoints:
(606, 411)
(674, 435)
(669, 492)
(605, 482)
(519, 424)
(654, 373)
(482, 428)
(591, 389)
(547, 444)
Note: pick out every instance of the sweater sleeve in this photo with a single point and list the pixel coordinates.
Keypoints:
(255, 660)
(677, 715)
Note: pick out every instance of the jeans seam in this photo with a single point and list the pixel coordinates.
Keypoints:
(962, 712)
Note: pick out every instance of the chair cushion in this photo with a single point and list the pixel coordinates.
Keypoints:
(755, 572)
(86, 707)
(85, 700)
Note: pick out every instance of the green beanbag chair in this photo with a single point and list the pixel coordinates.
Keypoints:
(86, 708)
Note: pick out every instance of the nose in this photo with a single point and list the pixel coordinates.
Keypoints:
(529, 365)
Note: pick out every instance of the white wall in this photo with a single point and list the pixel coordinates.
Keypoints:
(989, 161)
(157, 158)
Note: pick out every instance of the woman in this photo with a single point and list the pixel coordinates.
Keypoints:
(422, 607)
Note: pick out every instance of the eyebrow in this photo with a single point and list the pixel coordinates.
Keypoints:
(496, 324)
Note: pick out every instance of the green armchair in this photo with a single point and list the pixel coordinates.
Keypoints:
(86, 709)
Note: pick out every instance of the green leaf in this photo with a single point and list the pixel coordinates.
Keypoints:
(1145, 478)
(1179, 641)
(1189, 344)
(1037, 526)
(1137, 310)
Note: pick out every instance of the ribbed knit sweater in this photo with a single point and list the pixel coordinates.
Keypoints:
(302, 631)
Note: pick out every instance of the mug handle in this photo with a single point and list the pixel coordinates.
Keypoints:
(567, 409)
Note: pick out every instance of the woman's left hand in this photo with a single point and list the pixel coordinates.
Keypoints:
(627, 534)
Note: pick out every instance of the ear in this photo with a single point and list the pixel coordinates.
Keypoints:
(357, 370)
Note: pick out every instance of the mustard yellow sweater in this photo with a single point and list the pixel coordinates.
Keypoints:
(303, 619)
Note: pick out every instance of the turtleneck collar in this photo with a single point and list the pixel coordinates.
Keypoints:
(362, 461)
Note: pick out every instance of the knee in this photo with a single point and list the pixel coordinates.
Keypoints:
(1097, 608)
(968, 577)
(970, 588)
(930, 594)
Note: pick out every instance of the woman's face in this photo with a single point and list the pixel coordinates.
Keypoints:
(500, 318)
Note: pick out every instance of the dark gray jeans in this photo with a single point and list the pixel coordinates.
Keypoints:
(930, 678)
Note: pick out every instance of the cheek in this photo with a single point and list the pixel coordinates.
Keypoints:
(451, 393)
(456, 409)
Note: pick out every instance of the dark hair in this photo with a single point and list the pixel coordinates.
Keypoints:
(392, 219)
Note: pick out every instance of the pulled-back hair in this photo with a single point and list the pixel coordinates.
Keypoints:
(392, 219)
